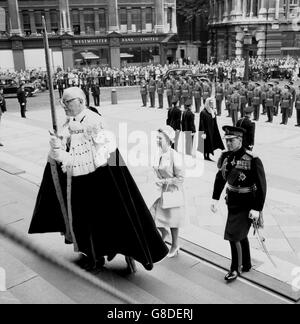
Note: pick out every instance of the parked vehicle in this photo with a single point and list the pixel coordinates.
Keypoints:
(11, 86)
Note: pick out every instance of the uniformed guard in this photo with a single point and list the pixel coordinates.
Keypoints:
(197, 91)
(286, 104)
(144, 92)
(256, 101)
(293, 93)
(297, 105)
(228, 92)
(207, 91)
(250, 90)
(264, 89)
(169, 92)
(219, 98)
(249, 127)
(185, 92)
(160, 92)
(152, 89)
(244, 99)
(277, 91)
(235, 103)
(176, 93)
(270, 103)
(246, 193)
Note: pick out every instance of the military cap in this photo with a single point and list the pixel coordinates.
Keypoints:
(249, 110)
(233, 132)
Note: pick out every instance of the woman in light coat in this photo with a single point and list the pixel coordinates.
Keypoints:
(170, 177)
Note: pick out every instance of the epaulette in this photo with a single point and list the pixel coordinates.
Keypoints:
(251, 154)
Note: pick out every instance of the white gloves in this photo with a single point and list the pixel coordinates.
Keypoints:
(55, 143)
(254, 215)
(214, 206)
(204, 136)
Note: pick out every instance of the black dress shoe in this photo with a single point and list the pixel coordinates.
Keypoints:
(247, 269)
(295, 126)
(1, 144)
(231, 276)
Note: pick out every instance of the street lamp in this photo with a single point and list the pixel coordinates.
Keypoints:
(247, 43)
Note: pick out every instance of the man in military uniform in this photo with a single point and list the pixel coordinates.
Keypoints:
(188, 126)
(250, 90)
(277, 91)
(270, 103)
(169, 92)
(219, 98)
(249, 127)
(197, 91)
(176, 93)
(207, 91)
(96, 93)
(256, 101)
(235, 103)
(264, 89)
(152, 89)
(160, 92)
(185, 92)
(246, 193)
(22, 98)
(228, 92)
(144, 92)
(2, 106)
(286, 104)
(297, 105)
(244, 99)
(293, 93)
(61, 86)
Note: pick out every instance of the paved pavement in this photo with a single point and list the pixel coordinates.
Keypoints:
(279, 147)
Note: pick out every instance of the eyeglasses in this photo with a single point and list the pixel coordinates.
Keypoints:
(66, 103)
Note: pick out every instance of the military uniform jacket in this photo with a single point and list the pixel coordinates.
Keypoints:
(188, 121)
(152, 86)
(277, 91)
(185, 90)
(297, 101)
(264, 90)
(250, 90)
(219, 93)
(286, 99)
(160, 87)
(257, 96)
(245, 178)
(169, 88)
(293, 92)
(177, 92)
(243, 95)
(206, 91)
(270, 98)
(235, 101)
(143, 89)
(2, 104)
(197, 91)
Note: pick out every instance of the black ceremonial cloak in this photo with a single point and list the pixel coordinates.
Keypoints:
(109, 215)
(209, 126)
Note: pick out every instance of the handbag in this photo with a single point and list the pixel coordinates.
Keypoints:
(171, 199)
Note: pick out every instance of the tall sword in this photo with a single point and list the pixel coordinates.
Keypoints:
(49, 75)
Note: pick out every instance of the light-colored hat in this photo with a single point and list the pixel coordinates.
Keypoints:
(169, 132)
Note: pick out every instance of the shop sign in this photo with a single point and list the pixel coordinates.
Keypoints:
(92, 41)
(140, 39)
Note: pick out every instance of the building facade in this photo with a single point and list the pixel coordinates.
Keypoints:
(87, 33)
(273, 24)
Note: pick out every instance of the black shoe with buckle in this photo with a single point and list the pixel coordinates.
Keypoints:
(231, 276)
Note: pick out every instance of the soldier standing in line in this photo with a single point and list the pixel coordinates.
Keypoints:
(207, 91)
(243, 95)
(96, 93)
(169, 92)
(286, 104)
(250, 90)
(256, 102)
(270, 103)
(297, 105)
(152, 89)
(249, 127)
(246, 194)
(293, 93)
(185, 90)
(235, 103)
(22, 98)
(144, 92)
(197, 91)
(86, 89)
(177, 93)
(228, 92)
(277, 91)
(60, 86)
(160, 92)
(264, 90)
(219, 98)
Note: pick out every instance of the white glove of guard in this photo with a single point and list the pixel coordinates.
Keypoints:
(254, 215)
(204, 136)
(61, 156)
(55, 143)
(214, 206)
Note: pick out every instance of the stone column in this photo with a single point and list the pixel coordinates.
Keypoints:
(281, 9)
(238, 9)
(97, 21)
(143, 19)
(32, 22)
(129, 20)
(226, 13)
(113, 16)
(252, 8)
(65, 19)
(244, 9)
(174, 21)
(159, 15)
(81, 20)
(272, 9)
(14, 17)
(48, 20)
(277, 9)
(166, 28)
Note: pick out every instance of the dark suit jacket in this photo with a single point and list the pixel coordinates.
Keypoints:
(174, 118)
(95, 90)
(188, 121)
(21, 96)
(249, 127)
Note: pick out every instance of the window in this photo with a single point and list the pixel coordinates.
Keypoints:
(255, 8)
(149, 20)
(136, 20)
(123, 20)
(89, 22)
(54, 18)
(102, 20)
(169, 18)
(26, 23)
(76, 22)
(38, 21)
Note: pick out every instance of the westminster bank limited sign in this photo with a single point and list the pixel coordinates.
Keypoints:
(123, 40)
